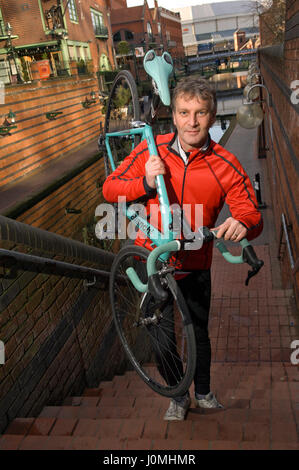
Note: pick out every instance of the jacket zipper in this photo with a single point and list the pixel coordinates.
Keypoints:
(182, 198)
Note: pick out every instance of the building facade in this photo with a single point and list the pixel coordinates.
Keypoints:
(141, 28)
(211, 27)
(169, 29)
(59, 31)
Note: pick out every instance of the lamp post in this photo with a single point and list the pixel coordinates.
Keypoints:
(11, 52)
(250, 113)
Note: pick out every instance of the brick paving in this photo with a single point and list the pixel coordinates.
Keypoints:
(251, 330)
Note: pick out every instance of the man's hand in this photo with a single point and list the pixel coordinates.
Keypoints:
(153, 167)
(231, 229)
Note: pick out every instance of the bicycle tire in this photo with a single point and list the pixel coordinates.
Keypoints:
(122, 108)
(142, 341)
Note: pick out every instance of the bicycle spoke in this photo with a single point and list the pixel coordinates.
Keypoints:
(122, 110)
(153, 335)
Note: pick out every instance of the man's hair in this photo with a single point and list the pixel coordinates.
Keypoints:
(195, 87)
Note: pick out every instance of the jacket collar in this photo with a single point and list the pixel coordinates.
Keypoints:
(174, 146)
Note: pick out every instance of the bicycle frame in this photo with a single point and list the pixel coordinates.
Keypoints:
(156, 236)
(166, 241)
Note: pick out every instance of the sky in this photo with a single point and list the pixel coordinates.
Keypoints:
(172, 4)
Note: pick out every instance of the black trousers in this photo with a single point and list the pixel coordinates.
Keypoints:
(196, 289)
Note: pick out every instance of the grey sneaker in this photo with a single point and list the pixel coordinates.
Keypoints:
(210, 401)
(177, 411)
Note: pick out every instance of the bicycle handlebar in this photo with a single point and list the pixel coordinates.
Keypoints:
(248, 256)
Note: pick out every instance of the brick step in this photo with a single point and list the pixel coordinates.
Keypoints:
(13, 442)
(146, 422)
(125, 413)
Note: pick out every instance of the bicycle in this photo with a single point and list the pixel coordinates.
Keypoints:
(142, 283)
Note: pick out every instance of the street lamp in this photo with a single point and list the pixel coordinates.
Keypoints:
(250, 113)
(11, 52)
(8, 124)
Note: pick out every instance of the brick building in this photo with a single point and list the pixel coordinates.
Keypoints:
(279, 66)
(144, 28)
(169, 24)
(57, 30)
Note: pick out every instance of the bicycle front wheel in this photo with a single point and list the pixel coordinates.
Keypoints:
(158, 337)
(122, 109)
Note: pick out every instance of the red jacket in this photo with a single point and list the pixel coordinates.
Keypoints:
(210, 178)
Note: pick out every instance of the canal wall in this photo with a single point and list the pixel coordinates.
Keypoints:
(279, 137)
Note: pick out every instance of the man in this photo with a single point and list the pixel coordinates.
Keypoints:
(196, 171)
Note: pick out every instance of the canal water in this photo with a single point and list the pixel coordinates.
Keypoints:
(229, 88)
(229, 81)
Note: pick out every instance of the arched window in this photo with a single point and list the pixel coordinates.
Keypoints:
(149, 30)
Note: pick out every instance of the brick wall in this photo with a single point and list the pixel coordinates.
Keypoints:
(25, 19)
(37, 141)
(59, 336)
(279, 68)
(175, 30)
(83, 30)
(81, 193)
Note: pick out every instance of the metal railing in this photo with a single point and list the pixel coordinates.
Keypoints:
(101, 31)
(48, 242)
(57, 70)
(285, 231)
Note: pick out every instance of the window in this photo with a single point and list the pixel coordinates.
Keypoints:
(128, 35)
(71, 52)
(97, 21)
(117, 36)
(149, 29)
(73, 11)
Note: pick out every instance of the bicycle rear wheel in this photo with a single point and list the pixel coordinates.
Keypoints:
(122, 109)
(158, 337)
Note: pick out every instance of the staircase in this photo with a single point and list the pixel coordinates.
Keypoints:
(251, 331)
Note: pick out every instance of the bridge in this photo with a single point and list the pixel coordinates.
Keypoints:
(195, 63)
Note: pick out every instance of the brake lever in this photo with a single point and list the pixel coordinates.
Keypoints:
(248, 254)
(250, 257)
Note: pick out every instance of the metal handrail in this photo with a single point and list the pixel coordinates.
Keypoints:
(285, 229)
(48, 242)
(48, 265)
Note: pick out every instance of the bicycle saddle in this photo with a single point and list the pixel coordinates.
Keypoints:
(159, 68)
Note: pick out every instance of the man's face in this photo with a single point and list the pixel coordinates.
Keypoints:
(193, 118)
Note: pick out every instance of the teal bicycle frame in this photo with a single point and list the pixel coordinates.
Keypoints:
(156, 236)
(166, 241)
